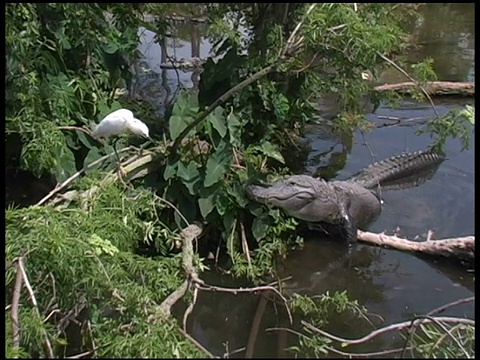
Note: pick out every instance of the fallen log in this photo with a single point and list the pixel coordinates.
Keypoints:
(461, 248)
(436, 88)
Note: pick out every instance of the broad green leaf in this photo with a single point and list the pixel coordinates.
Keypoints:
(260, 228)
(238, 193)
(270, 150)
(84, 140)
(170, 171)
(110, 48)
(217, 165)
(222, 203)
(193, 185)
(183, 112)
(281, 106)
(93, 155)
(217, 119)
(207, 199)
(257, 209)
(71, 143)
(188, 172)
(61, 341)
(229, 221)
(178, 124)
(234, 129)
(190, 176)
(206, 205)
(65, 166)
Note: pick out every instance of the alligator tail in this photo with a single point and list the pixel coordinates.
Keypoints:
(397, 168)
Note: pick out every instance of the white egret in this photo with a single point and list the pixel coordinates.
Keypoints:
(118, 122)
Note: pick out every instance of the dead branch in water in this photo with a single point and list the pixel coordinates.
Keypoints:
(433, 88)
(461, 248)
(392, 327)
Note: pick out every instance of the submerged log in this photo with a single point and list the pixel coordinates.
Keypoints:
(436, 88)
(461, 249)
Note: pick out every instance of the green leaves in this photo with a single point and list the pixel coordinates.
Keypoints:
(190, 175)
(270, 150)
(217, 119)
(234, 129)
(207, 200)
(65, 166)
(184, 110)
(217, 165)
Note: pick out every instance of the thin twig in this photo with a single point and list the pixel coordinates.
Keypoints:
(449, 305)
(420, 320)
(84, 354)
(90, 334)
(35, 305)
(196, 343)
(54, 290)
(287, 330)
(189, 309)
(349, 354)
(236, 351)
(294, 32)
(248, 290)
(245, 248)
(447, 332)
(397, 326)
(85, 130)
(391, 62)
(365, 355)
(14, 313)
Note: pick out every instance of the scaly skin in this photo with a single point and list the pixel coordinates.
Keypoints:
(349, 204)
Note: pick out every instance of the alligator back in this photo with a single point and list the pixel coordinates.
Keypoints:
(396, 168)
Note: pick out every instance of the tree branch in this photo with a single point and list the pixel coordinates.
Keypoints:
(397, 326)
(462, 248)
(14, 312)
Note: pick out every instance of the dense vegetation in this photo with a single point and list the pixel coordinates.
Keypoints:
(101, 264)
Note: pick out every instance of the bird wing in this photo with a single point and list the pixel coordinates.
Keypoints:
(113, 124)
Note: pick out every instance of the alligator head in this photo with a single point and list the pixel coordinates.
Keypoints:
(303, 197)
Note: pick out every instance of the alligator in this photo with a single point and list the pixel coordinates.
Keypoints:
(343, 206)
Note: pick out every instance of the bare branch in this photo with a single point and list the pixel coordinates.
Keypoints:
(171, 299)
(397, 326)
(449, 305)
(189, 310)
(21, 268)
(236, 291)
(14, 312)
(462, 248)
